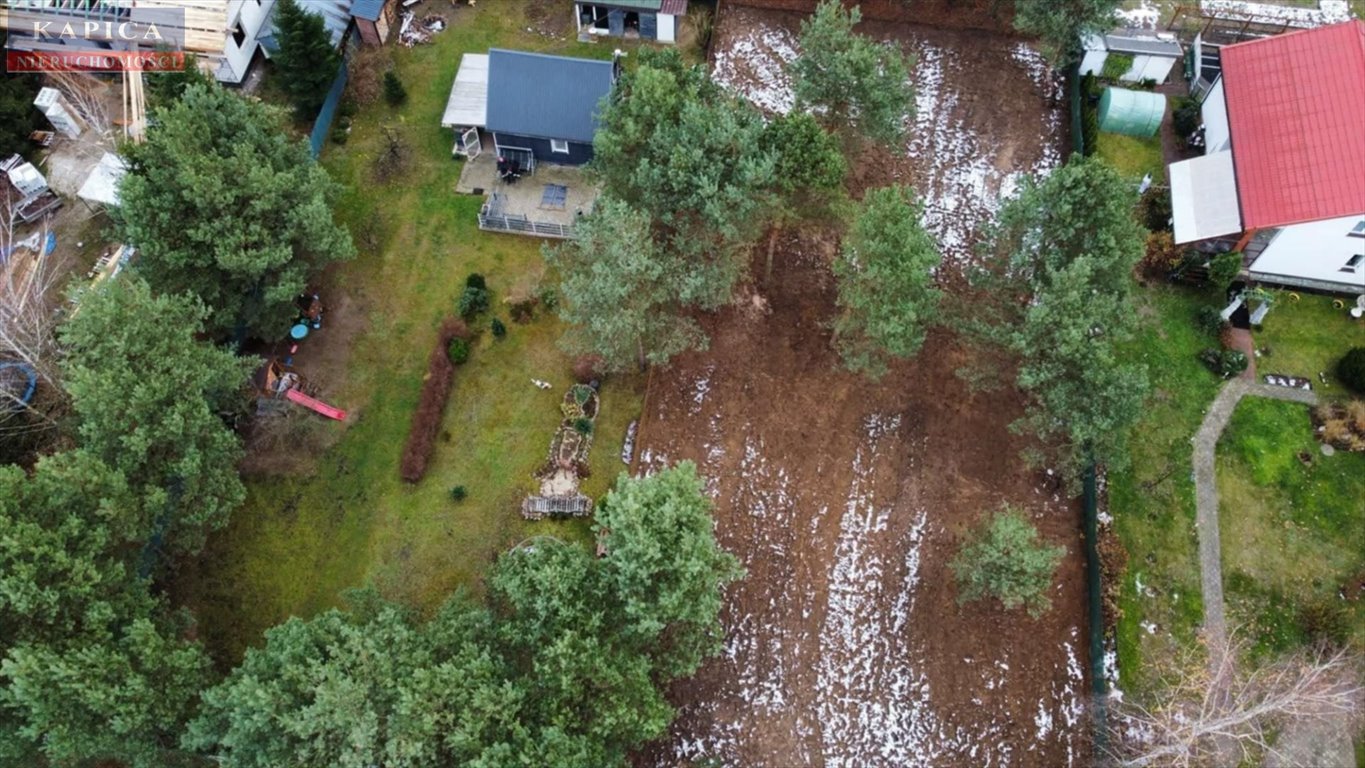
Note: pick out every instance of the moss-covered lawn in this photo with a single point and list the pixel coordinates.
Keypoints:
(1131, 156)
(1152, 502)
(299, 541)
(1292, 524)
(1307, 337)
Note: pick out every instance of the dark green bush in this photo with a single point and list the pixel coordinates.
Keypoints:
(394, 92)
(458, 350)
(458, 493)
(473, 301)
(1325, 623)
(1186, 117)
(1116, 65)
(498, 328)
(1210, 320)
(1224, 362)
(1351, 370)
(475, 280)
(1156, 209)
(583, 425)
(1090, 130)
(1223, 269)
(1090, 87)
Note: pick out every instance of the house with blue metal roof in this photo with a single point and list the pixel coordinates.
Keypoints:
(544, 108)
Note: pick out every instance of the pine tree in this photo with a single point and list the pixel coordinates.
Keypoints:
(225, 205)
(887, 298)
(1006, 561)
(621, 291)
(394, 92)
(306, 60)
(851, 81)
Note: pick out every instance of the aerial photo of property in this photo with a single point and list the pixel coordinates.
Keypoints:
(682, 384)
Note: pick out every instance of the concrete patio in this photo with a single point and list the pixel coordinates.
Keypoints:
(522, 207)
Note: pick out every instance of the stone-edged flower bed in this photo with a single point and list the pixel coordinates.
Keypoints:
(568, 459)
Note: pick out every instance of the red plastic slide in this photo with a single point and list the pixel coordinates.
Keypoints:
(314, 404)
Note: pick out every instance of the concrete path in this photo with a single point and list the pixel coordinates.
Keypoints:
(1206, 495)
(1318, 742)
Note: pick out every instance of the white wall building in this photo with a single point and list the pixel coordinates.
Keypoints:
(1153, 55)
(659, 20)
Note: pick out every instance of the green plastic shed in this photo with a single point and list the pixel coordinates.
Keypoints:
(1131, 113)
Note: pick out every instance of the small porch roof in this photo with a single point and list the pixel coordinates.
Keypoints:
(468, 104)
(1204, 198)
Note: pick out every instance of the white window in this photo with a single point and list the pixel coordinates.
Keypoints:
(1353, 263)
(559, 146)
(1358, 230)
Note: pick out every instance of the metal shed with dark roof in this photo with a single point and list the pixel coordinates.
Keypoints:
(546, 105)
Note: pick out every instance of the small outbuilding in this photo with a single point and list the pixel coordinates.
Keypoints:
(543, 108)
(374, 19)
(1148, 56)
(1131, 113)
(658, 20)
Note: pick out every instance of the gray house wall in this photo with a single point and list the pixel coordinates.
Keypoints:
(579, 153)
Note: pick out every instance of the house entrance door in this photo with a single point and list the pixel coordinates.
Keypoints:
(471, 143)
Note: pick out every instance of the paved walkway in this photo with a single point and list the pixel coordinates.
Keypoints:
(1206, 495)
(1310, 741)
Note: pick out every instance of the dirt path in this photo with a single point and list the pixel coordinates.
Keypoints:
(1206, 495)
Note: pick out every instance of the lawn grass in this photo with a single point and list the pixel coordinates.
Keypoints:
(300, 541)
(1307, 337)
(1292, 522)
(1152, 501)
(1132, 157)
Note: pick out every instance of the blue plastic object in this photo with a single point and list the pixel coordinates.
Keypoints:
(31, 377)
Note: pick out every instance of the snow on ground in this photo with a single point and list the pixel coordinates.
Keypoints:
(961, 183)
(755, 67)
(1145, 16)
(1328, 12)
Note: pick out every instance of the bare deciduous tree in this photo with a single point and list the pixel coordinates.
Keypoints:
(1223, 711)
(30, 295)
(88, 96)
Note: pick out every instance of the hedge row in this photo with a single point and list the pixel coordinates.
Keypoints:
(426, 420)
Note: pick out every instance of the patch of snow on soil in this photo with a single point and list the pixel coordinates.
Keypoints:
(755, 67)
(963, 186)
(1329, 12)
(1145, 16)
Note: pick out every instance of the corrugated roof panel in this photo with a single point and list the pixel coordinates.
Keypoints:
(553, 97)
(1296, 106)
(468, 104)
(1204, 198)
(1143, 45)
(368, 10)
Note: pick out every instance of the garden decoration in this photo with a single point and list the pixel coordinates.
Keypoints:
(567, 462)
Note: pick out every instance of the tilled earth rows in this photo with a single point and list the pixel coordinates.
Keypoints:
(846, 499)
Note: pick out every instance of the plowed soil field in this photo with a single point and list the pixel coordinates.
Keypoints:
(846, 499)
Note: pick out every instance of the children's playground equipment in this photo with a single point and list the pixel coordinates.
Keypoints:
(315, 405)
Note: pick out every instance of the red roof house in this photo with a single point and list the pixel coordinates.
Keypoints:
(1286, 175)
(1296, 111)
